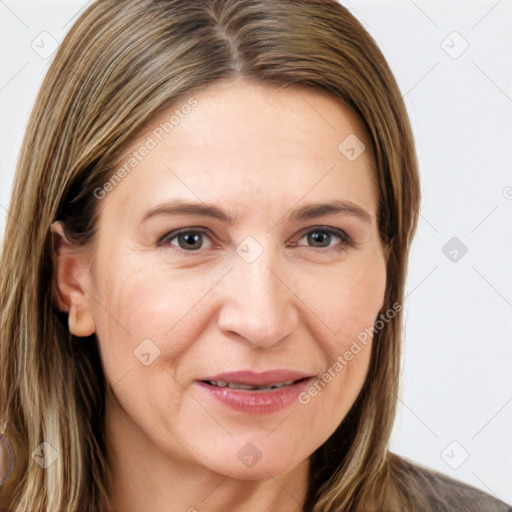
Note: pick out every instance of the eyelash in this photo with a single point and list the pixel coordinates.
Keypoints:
(345, 239)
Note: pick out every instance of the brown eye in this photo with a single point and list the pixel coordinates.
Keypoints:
(322, 237)
(319, 238)
(188, 240)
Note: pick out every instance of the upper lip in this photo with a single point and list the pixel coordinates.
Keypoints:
(250, 377)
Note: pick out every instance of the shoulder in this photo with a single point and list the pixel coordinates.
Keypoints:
(441, 492)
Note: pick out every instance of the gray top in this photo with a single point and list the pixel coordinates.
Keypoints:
(446, 494)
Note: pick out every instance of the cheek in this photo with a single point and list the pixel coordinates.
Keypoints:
(141, 303)
(351, 304)
(352, 300)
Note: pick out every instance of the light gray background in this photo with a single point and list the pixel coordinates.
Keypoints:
(456, 408)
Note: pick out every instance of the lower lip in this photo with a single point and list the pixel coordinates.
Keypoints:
(257, 402)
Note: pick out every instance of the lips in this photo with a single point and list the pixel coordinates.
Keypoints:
(248, 387)
(255, 393)
(250, 380)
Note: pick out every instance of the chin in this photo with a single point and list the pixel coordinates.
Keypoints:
(254, 460)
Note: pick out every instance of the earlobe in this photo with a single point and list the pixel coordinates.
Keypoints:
(70, 284)
(81, 324)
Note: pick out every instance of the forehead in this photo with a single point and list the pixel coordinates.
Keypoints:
(241, 138)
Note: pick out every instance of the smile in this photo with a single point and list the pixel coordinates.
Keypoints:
(249, 387)
(251, 392)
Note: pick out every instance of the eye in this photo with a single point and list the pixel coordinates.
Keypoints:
(322, 237)
(189, 240)
(192, 240)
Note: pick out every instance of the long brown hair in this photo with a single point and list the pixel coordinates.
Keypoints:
(121, 64)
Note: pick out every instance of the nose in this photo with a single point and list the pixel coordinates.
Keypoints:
(257, 304)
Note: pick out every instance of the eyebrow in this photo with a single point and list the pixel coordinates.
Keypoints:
(308, 212)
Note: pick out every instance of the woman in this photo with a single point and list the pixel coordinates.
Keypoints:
(207, 313)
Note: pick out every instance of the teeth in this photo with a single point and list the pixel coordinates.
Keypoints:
(235, 385)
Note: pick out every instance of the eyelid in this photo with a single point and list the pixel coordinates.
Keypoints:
(345, 238)
(340, 233)
(176, 232)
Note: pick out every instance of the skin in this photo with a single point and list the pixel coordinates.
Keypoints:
(258, 154)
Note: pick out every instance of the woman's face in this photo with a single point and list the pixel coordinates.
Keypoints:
(268, 285)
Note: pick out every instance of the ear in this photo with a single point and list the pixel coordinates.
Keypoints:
(71, 283)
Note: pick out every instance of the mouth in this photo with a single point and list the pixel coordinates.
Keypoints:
(252, 387)
(250, 392)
